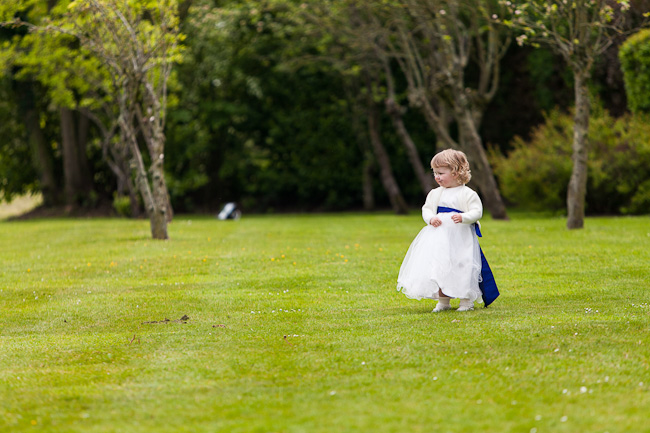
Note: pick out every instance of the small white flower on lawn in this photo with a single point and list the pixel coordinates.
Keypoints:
(332, 392)
(564, 418)
(583, 389)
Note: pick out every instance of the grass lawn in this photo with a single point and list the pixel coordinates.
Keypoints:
(295, 326)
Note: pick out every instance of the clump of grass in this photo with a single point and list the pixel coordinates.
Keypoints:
(295, 325)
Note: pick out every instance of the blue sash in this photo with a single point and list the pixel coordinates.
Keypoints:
(488, 286)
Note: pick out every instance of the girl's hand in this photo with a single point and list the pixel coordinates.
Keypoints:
(457, 218)
(435, 221)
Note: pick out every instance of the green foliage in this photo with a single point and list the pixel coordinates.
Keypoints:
(578, 30)
(122, 205)
(634, 55)
(256, 116)
(295, 326)
(255, 123)
(535, 173)
(46, 70)
(17, 175)
(52, 58)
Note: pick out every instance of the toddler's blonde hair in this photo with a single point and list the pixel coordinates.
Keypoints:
(456, 161)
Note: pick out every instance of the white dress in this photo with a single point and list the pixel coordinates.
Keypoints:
(447, 257)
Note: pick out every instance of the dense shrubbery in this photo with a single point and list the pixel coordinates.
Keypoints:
(534, 175)
(634, 56)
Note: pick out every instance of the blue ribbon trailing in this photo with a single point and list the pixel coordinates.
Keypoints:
(488, 285)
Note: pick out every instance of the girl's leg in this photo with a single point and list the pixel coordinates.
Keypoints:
(443, 302)
(465, 305)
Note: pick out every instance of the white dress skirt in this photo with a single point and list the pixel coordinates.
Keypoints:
(447, 257)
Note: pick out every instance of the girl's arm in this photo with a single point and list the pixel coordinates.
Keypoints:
(474, 209)
(428, 210)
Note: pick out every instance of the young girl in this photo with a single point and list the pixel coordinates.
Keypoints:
(445, 260)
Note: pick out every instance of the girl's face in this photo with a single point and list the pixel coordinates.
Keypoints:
(445, 177)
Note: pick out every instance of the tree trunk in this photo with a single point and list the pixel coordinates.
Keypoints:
(368, 193)
(77, 182)
(472, 144)
(578, 182)
(152, 131)
(83, 127)
(151, 197)
(386, 173)
(69, 153)
(169, 211)
(150, 192)
(438, 120)
(395, 112)
(162, 207)
(123, 172)
(42, 158)
(116, 157)
(356, 115)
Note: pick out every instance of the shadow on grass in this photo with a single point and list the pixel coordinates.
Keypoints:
(420, 309)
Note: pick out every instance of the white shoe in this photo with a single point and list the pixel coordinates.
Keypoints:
(443, 304)
(466, 305)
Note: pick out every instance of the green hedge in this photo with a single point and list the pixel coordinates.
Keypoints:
(535, 174)
(634, 55)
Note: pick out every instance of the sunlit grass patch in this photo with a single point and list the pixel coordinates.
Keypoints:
(19, 205)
